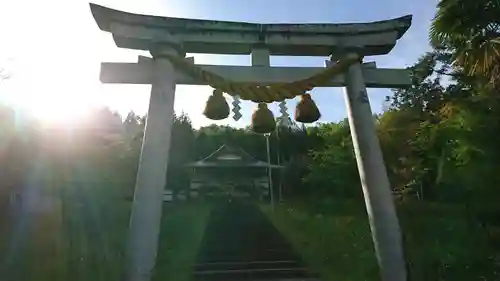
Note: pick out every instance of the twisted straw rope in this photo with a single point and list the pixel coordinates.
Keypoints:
(263, 93)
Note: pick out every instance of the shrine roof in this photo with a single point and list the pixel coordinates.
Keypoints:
(230, 156)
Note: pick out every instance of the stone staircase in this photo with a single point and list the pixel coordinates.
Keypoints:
(240, 243)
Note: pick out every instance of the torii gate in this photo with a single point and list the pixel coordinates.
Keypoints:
(168, 39)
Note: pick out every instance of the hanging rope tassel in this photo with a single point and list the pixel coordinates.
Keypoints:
(216, 107)
(306, 110)
(263, 120)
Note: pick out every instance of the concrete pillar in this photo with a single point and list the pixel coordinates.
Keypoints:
(145, 220)
(380, 207)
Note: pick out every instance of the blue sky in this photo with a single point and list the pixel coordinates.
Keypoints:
(54, 48)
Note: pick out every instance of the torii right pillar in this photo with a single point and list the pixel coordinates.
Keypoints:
(379, 202)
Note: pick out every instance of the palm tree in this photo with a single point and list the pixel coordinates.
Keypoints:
(471, 31)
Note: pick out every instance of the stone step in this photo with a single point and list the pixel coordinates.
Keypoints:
(246, 265)
(230, 256)
(251, 274)
(240, 243)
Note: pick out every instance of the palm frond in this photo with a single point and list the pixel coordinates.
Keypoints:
(471, 29)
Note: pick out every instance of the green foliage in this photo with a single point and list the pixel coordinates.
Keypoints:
(439, 140)
(66, 194)
(335, 241)
(181, 152)
(183, 227)
(332, 170)
(470, 29)
(336, 247)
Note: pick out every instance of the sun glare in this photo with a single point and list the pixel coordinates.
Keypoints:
(55, 109)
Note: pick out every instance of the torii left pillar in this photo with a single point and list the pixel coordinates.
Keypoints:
(145, 218)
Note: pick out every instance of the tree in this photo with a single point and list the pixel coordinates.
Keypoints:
(332, 169)
(181, 152)
(470, 30)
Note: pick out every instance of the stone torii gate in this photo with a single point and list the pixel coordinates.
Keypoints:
(168, 40)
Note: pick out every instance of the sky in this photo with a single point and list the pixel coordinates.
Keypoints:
(52, 51)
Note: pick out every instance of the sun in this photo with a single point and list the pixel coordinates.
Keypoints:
(55, 108)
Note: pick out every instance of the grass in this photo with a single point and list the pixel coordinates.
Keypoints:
(71, 231)
(78, 232)
(335, 241)
(182, 231)
(338, 247)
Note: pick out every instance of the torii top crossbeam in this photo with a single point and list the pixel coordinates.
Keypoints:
(135, 31)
